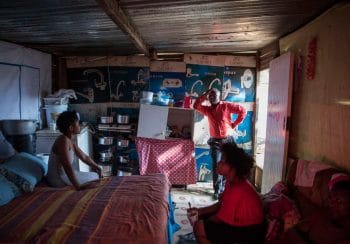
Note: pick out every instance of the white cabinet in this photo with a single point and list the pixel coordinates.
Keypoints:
(46, 138)
(153, 120)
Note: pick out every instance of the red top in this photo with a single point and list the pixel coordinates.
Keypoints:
(240, 205)
(219, 116)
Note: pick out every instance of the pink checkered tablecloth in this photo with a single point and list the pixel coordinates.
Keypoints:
(172, 157)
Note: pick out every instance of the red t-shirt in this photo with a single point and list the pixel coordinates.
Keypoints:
(240, 205)
(219, 116)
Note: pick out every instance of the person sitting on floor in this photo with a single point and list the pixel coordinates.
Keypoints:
(60, 170)
(238, 215)
(332, 226)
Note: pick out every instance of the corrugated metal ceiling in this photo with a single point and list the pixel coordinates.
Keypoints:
(84, 27)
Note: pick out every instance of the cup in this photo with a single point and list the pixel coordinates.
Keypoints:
(53, 126)
(192, 215)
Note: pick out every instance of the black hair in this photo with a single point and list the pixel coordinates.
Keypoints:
(238, 159)
(66, 119)
(342, 186)
(218, 93)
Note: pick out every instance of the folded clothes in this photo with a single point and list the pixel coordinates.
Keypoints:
(63, 93)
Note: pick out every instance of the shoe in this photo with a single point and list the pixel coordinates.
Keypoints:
(187, 238)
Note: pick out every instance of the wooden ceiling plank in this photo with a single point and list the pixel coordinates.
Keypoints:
(114, 11)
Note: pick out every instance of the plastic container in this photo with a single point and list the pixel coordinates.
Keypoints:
(146, 101)
(147, 95)
(52, 112)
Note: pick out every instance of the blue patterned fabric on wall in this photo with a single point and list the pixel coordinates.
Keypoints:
(90, 84)
(239, 84)
(200, 78)
(170, 83)
(128, 82)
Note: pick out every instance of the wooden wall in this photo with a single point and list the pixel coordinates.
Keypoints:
(321, 107)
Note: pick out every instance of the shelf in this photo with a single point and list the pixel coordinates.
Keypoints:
(116, 130)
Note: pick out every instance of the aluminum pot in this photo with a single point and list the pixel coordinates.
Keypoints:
(122, 159)
(123, 119)
(106, 119)
(105, 160)
(19, 127)
(123, 143)
(106, 140)
(106, 169)
(123, 173)
(106, 154)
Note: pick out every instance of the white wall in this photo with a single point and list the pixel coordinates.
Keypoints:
(321, 107)
(25, 77)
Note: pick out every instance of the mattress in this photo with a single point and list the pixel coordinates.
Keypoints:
(129, 209)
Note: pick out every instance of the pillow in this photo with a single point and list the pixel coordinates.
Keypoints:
(8, 191)
(6, 149)
(24, 170)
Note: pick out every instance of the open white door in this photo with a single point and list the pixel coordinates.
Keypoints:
(278, 114)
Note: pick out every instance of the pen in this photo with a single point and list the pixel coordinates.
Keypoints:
(189, 204)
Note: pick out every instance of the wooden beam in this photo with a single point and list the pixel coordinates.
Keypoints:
(114, 11)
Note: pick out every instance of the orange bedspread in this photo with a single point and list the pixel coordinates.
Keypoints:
(130, 209)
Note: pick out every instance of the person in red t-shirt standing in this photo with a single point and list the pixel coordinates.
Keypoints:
(238, 215)
(219, 117)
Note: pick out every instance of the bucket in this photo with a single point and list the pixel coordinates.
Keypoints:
(52, 112)
(147, 95)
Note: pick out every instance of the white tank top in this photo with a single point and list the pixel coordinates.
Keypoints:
(57, 177)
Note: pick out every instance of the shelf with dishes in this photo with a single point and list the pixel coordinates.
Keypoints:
(112, 143)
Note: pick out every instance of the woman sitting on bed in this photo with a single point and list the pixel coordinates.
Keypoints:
(60, 170)
(238, 215)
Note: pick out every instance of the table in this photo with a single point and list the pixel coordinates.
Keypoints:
(173, 157)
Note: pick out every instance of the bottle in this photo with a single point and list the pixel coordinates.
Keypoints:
(187, 101)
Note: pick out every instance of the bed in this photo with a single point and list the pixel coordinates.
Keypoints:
(127, 209)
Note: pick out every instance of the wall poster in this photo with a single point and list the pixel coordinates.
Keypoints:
(127, 83)
(170, 83)
(239, 84)
(200, 78)
(243, 133)
(90, 84)
(108, 84)
(204, 165)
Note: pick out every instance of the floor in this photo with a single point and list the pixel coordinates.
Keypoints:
(198, 195)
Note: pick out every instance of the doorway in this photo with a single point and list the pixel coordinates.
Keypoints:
(262, 91)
